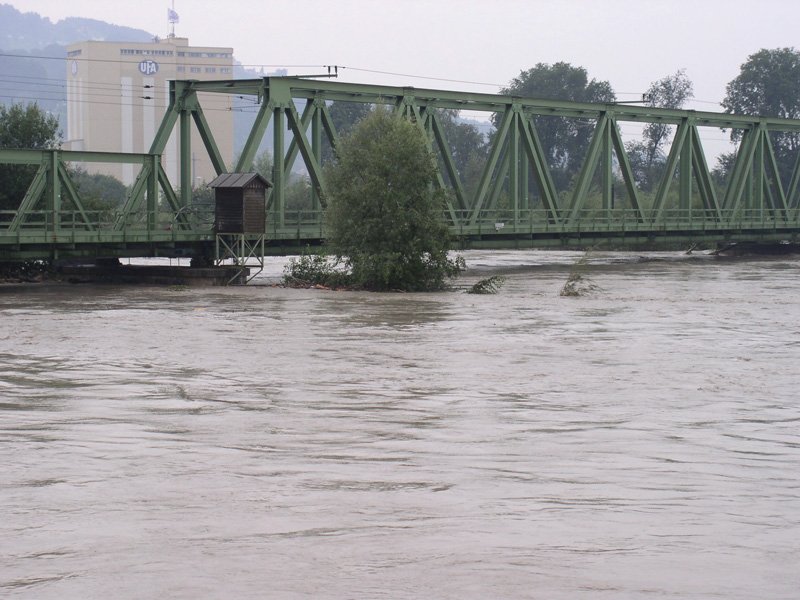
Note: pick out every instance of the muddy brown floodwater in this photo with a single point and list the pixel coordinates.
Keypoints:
(637, 442)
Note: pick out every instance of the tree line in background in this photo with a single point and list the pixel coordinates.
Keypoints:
(768, 84)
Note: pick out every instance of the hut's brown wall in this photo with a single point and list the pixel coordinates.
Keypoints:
(254, 217)
(240, 209)
(228, 211)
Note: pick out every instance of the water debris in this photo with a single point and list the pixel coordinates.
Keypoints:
(577, 285)
(490, 285)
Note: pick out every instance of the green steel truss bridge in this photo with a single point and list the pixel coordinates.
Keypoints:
(514, 203)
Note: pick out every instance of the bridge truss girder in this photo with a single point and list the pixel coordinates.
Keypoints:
(516, 169)
(516, 151)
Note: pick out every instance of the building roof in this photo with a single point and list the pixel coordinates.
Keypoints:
(237, 180)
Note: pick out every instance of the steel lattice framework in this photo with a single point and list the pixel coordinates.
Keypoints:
(515, 201)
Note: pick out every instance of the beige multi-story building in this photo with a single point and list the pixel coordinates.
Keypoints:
(118, 92)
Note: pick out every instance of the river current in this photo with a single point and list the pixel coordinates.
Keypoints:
(638, 441)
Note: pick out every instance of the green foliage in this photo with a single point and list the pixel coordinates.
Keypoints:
(345, 116)
(671, 91)
(768, 85)
(647, 165)
(722, 171)
(299, 193)
(564, 140)
(314, 269)
(23, 127)
(385, 218)
(98, 192)
(202, 195)
(647, 157)
(28, 127)
(261, 165)
(468, 148)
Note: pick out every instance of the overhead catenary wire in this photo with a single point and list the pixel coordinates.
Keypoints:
(98, 89)
(262, 66)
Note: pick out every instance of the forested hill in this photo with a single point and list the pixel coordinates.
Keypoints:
(29, 31)
(32, 49)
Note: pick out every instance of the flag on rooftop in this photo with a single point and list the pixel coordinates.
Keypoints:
(172, 16)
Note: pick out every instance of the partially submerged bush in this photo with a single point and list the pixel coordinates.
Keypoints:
(314, 269)
(490, 285)
(576, 284)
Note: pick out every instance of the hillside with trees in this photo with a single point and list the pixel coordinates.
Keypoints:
(32, 51)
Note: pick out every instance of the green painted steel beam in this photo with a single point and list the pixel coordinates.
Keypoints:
(673, 159)
(72, 193)
(494, 156)
(707, 188)
(449, 165)
(31, 198)
(208, 141)
(538, 162)
(314, 168)
(37, 157)
(597, 147)
(625, 169)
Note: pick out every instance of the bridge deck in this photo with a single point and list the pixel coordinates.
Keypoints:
(496, 229)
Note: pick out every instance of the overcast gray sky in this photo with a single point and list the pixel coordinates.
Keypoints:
(462, 44)
(629, 43)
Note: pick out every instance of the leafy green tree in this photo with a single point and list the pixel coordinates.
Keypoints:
(23, 127)
(262, 164)
(385, 217)
(671, 91)
(100, 194)
(565, 140)
(647, 157)
(768, 85)
(345, 116)
(468, 147)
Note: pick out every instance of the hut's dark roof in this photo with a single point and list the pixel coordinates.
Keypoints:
(237, 180)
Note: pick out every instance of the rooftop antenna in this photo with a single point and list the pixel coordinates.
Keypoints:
(173, 18)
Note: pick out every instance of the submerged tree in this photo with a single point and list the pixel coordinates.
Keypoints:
(385, 217)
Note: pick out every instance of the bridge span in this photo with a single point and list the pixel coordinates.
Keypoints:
(513, 201)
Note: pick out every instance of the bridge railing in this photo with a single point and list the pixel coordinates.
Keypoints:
(499, 223)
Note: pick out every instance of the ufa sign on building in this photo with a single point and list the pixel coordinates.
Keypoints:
(148, 67)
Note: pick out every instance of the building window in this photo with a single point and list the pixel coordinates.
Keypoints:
(180, 69)
(195, 69)
(75, 53)
(224, 70)
(211, 70)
